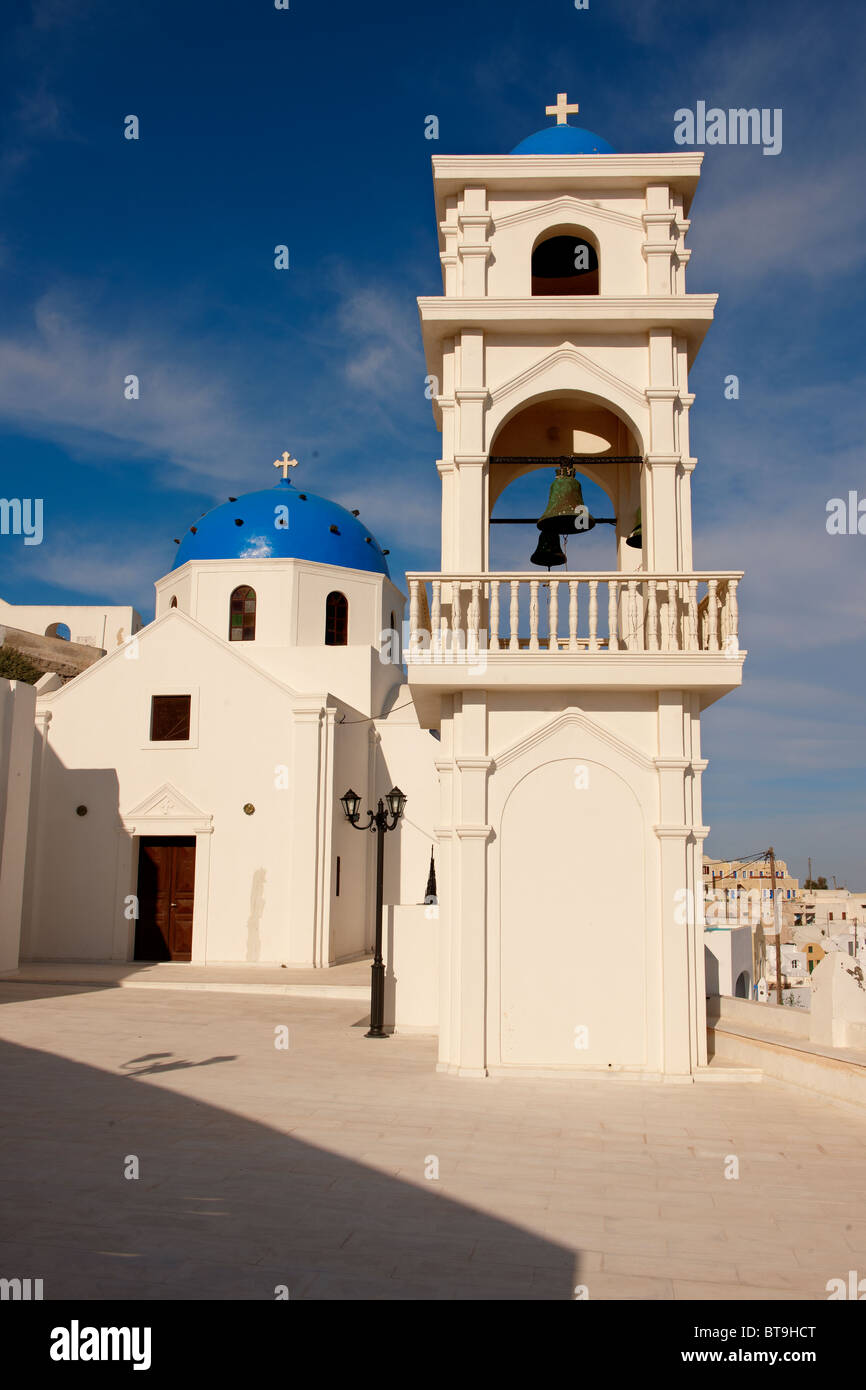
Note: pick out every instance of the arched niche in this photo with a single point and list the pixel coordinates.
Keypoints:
(566, 260)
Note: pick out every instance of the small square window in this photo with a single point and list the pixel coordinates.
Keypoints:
(170, 718)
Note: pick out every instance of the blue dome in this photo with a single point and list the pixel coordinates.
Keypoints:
(563, 139)
(317, 530)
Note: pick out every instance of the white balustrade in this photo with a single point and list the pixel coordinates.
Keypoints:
(649, 613)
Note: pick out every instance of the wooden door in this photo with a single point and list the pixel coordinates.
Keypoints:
(166, 891)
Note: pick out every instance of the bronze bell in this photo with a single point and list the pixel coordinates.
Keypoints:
(566, 512)
(549, 552)
(635, 540)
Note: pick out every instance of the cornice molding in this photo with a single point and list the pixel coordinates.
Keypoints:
(471, 393)
(473, 832)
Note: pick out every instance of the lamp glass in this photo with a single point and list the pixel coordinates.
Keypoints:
(396, 801)
(350, 803)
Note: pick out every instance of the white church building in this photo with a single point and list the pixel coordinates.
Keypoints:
(544, 724)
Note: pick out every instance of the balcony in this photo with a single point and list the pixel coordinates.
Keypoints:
(645, 631)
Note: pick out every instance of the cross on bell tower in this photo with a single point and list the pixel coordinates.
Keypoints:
(562, 110)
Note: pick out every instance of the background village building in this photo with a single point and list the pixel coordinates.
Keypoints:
(831, 910)
(548, 733)
(729, 961)
(739, 918)
(739, 890)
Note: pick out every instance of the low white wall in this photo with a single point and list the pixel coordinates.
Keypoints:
(838, 1002)
(17, 732)
(770, 1018)
(411, 950)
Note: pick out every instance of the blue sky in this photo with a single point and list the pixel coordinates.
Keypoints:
(306, 127)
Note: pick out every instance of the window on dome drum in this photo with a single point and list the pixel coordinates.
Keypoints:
(173, 603)
(336, 620)
(242, 615)
(565, 263)
(169, 718)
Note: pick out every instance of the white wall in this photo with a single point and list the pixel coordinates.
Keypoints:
(100, 755)
(290, 621)
(411, 950)
(17, 707)
(96, 626)
(730, 949)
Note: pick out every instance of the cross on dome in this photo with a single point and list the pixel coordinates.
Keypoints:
(286, 462)
(562, 110)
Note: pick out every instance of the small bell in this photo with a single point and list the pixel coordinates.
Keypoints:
(635, 540)
(549, 552)
(566, 512)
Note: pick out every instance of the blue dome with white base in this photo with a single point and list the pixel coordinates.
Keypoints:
(251, 528)
(563, 139)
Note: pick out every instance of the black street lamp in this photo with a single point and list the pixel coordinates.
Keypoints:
(378, 822)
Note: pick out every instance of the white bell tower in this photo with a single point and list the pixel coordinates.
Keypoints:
(569, 701)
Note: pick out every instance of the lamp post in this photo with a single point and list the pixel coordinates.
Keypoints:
(378, 822)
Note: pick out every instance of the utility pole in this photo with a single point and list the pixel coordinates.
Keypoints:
(771, 855)
(809, 880)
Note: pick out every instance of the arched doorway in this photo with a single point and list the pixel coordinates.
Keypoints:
(743, 987)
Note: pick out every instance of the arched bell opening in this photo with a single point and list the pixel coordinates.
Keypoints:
(565, 261)
(571, 453)
(587, 547)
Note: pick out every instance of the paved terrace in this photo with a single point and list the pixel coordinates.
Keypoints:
(306, 1167)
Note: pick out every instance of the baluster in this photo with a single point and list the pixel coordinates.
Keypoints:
(436, 618)
(494, 615)
(514, 616)
(734, 611)
(652, 617)
(456, 617)
(593, 615)
(533, 615)
(413, 614)
(693, 615)
(723, 614)
(573, 585)
(473, 620)
(631, 616)
(612, 597)
(673, 616)
(553, 617)
(713, 615)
